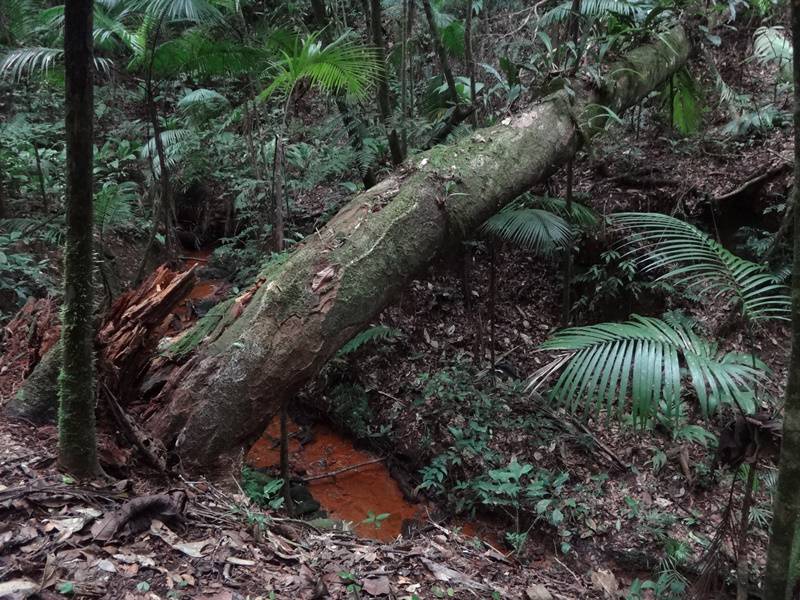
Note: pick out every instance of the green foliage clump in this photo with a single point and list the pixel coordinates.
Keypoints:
(262, 489)
(350, 409)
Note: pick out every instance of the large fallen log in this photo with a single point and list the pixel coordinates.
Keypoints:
(341, 277)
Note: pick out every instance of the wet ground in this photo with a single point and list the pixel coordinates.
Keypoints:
(355, 495)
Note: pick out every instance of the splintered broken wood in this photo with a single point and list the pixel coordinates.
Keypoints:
(133, 327)
(25, 340)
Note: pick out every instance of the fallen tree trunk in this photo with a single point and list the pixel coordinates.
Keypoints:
(341, 277)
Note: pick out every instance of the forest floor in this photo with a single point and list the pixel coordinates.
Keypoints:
(628, 498)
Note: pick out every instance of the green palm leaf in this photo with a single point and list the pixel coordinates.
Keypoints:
(343, 66)
(531, 228)
(27, 61)
(636, 366)
(692, 259)
(597, 8)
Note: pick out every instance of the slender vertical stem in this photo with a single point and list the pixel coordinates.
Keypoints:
(468, 56)
(40, 174)
(287, 486)
(566, 303)
(742, 564)
(384, 105)
(441, 53)
(492, 294)
(403, 71)
(77, 445)
(277, 196)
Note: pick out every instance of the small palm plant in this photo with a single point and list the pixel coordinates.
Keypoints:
(693, 260)
(639, 366)
(343, 68)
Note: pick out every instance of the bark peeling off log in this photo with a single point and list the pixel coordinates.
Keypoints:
(343, 276)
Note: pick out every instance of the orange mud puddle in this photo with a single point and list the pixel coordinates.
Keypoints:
(352, 495)
(349, 496)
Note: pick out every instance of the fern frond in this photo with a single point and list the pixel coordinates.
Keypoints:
(531, 228)
(636, 366)
(692, 259)
(368, 336)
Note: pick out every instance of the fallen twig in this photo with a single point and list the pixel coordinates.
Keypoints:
(344, 470)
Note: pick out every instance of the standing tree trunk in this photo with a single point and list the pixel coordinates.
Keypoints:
(384, 105)
(277, 196)
(77, 447)
(441, 53)
(786, 507)
(267, 343)
(470, 63)
(167, 206)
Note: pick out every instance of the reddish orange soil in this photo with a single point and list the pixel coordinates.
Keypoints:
(350, 496)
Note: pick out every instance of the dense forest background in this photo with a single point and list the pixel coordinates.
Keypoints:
(505, 285)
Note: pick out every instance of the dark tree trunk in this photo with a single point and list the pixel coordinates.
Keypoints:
(277, 196)
(470, 64)
(786, 506)
(167, 207)
(77, 448)
(384, 104)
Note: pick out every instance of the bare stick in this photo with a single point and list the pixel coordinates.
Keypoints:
(345, 470)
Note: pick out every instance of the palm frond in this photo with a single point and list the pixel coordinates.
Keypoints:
(203, 103)
(596, 8)
(24, 62)
(343, 66)
(194, 11)
(692, 259)
(194, 52)
(771, 46)
(17, 21)
(531, 228)
(580, 214)
(636, 366)
(173, 140)
(109, 31)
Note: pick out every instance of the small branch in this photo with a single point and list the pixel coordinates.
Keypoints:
(345, 470)
(753, 182)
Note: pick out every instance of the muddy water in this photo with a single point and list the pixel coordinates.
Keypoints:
(349, 496)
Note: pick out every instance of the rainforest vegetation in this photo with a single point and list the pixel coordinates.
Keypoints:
(399, 299)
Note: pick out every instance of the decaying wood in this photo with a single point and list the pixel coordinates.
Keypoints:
(127, 335)
(127, 339)
(341, 277)
(24, 341)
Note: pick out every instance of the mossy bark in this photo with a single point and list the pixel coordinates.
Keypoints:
(36, 400)
(341, 277)
(77, 450)
(786, 505)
